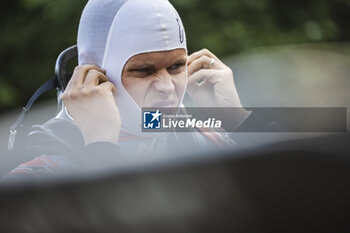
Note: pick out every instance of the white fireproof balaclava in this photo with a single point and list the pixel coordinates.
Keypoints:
(113, 31)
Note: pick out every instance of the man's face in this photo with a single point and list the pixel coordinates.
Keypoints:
(156, 79)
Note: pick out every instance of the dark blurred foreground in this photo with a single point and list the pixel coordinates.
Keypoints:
(293, 186)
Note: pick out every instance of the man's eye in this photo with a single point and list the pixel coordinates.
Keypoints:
(176, 66)
(142, 71)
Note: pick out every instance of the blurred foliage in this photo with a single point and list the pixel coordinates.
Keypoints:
(33, 32)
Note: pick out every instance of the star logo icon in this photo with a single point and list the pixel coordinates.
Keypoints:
(156, 115)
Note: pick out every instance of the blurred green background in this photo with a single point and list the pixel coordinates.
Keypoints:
(34, 32)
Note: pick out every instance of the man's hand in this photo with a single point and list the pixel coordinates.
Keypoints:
(89, 98)
(211, 83)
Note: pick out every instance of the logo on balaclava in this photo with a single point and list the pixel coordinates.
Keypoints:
(181, 31)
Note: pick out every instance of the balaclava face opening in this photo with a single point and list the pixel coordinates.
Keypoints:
(113, 31)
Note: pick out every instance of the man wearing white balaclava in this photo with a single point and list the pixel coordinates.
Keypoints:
(112, 32)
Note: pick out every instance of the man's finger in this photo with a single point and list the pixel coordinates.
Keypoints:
(94, 78)
(109, 86)
(198, 54)
(201, 76)
(79, 75)
(201, 63)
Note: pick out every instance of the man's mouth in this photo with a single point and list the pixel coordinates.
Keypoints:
(164, 104)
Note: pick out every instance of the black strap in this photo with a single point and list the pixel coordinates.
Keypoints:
(47, 86)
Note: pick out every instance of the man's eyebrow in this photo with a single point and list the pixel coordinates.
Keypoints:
(136, 65)
(180, 60)
(133, 65)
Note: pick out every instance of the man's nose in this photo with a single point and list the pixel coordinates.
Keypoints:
(164, 83)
